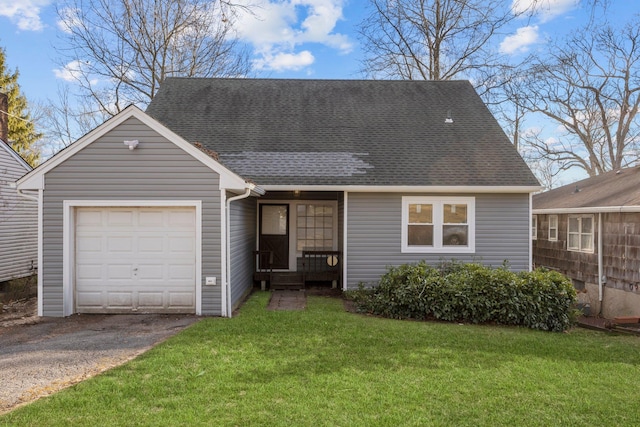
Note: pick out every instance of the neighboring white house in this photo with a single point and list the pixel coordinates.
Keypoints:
(18, 220)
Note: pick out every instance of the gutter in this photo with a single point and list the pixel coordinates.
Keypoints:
(601, 279)
(251, 188)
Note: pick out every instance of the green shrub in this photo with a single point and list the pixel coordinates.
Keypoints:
(473, 293)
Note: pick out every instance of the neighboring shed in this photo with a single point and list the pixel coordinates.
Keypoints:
(590, 231)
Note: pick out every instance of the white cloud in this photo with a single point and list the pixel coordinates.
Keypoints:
(544, 9)
(276, 28)
(520, 41)
(24, 13)
(70, 72)
(285, 61)
(70, 19)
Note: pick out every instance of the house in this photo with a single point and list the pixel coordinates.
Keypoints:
(225, 181)
(18, 215)
(590, 231)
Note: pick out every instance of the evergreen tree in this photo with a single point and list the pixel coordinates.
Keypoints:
(22, 133)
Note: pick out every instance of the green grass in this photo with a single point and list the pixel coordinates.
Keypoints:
(327, 367)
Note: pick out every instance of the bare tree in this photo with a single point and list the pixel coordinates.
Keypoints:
(120, 51)
(589, 87)
(434, 39)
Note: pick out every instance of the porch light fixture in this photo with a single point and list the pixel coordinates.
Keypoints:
(131, 144)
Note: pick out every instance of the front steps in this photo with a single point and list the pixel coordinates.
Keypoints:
(287, 281)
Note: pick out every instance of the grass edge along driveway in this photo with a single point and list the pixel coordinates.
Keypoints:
(326, 367)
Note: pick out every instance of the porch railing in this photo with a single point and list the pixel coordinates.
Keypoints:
(322, 266)
(263, 267)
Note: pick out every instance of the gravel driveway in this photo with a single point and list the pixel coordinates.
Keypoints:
(43, 355)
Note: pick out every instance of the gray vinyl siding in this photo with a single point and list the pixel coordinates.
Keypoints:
(18, 222)
(108, 170)
(374, 234)
(243, 243)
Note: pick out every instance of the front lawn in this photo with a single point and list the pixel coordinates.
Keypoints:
(327, 367)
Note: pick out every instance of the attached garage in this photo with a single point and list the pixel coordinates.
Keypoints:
(135, 259)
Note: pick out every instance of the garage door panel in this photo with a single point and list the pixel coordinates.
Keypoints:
(151, 218)
(120, 244)
(119, 272)
(120, 218)
(181, 299)
(119, 300)
(135, 259)
(89, 272)
(180, 272)
(90, 299)
(181, 244)
(151, 271)
(151, 244)
(149, 300)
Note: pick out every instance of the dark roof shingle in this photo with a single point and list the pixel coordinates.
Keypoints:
(613, 188)
(344, 132)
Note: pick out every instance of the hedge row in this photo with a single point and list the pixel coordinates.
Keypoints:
(471, 293)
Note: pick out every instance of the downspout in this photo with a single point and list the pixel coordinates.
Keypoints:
(227, 285)
(601, 278)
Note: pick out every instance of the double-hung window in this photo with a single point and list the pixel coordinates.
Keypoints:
(534, 227)
(434, 224)
(553, 227)
(580, 233)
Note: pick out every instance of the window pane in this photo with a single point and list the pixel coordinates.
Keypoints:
(573, 225)
(302, 210)
(553, 234)
(455, 214)
(328, 211)
(586, 242)
(274, 220)
(587, 224)
(454, 235)
(420, 214)
(420, 235)
(573, 241)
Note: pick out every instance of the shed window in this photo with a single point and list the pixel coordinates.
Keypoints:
(431, 224)
(553, 227)
(580, 233)
(534, 227)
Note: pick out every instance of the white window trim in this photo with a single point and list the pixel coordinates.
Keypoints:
(438, 203)
(534, 227)
(593, 233)
(555, 239)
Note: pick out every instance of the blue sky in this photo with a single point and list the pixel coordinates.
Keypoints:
(288, 38)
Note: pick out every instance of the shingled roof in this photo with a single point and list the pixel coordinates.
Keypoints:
(612, 189)
(344, 132)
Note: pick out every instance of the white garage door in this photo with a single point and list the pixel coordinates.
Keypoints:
(139, 259)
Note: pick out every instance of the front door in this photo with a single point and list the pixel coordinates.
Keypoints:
(274, 233)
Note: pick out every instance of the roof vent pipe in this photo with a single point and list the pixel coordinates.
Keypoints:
(4, 117)
(448, 119)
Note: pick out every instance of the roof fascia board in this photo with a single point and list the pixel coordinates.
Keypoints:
(405, 188)
(16, 156)
(35, 179)
(585, 210)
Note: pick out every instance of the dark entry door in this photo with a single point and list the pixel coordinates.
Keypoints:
(274, 233)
